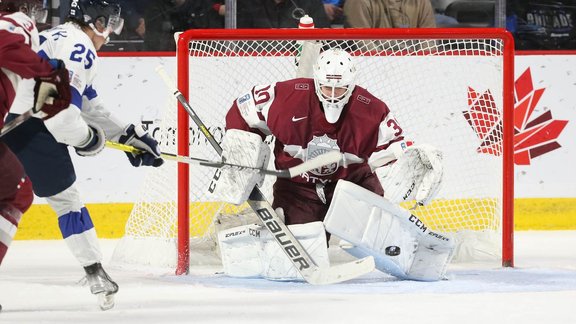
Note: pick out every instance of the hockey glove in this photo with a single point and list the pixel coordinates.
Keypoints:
(95, 142)
(416, 175)
(52, 92)
(139, 138)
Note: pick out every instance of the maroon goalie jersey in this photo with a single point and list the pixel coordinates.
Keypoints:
(292, 113)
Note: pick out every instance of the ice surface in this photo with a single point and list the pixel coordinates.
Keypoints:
(39, 284)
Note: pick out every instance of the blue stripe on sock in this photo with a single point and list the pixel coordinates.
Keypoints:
(75, 222)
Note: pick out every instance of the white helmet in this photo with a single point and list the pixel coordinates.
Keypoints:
(334, 69)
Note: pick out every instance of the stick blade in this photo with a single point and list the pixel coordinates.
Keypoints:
(341, 272)
(317, 162)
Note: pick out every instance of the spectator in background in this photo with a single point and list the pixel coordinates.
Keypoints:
(134, 23)
(388, 14)
(280, 13)
(334, 10)
(165, 17)
(132, 37)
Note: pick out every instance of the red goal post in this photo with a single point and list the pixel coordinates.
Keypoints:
(452, 88)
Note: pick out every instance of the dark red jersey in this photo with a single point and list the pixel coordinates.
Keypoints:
(291, 111)
(18, 37)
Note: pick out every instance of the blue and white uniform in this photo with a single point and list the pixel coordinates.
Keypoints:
(42, 146)
(70, 44)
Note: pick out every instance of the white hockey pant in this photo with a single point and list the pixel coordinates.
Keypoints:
(76, 226)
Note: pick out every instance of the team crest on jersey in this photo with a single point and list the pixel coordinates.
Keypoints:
(318, 146)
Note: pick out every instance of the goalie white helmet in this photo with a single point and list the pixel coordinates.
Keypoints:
(91, 12)
(334, 80)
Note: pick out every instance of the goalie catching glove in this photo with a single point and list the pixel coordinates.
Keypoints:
(241, 148)
(416, 175)
(52, 92)
(139, 138)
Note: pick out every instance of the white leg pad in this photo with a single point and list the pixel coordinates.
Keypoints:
(401, 244)
(251, 251)
(241, 250)
(277, 265)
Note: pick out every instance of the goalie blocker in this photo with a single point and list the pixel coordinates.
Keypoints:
(241, 148)
(401, 244)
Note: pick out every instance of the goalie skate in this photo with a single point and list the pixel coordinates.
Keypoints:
(101, 285)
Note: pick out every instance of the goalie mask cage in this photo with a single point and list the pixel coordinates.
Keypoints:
(451, 88)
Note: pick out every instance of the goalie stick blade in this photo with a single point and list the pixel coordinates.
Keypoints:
(317, 162)
(340, 273)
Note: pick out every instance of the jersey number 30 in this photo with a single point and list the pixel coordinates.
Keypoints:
(80, 53)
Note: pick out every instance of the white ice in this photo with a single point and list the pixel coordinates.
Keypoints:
(39, 284)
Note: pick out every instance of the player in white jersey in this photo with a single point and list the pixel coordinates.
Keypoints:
(85, 126)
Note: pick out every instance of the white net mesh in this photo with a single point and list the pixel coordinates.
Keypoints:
(446, 93)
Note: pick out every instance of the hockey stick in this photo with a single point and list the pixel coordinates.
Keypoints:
(288, 243)
(19, 120)
(319, 161)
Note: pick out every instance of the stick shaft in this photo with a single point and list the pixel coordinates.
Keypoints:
(331, 157)
(19, 120)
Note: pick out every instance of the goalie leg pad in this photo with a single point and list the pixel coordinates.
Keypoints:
(401, 243)
(250, 251)
(241, 250)
(277, 265)
(241, 148)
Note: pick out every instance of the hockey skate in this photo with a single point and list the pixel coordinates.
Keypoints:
(101, 285)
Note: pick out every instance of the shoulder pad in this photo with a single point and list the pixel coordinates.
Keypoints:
(20, 23)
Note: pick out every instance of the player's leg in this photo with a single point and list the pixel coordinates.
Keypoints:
(50, 167)
(80, 236)
(15, 197)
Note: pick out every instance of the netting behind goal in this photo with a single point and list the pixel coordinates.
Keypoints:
(448, 88)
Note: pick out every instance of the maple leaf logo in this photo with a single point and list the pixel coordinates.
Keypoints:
(533, 135)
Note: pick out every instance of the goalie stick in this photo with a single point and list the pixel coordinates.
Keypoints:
(319, 161)
(283, 236)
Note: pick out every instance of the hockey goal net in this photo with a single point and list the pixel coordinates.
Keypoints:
(451, 88)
